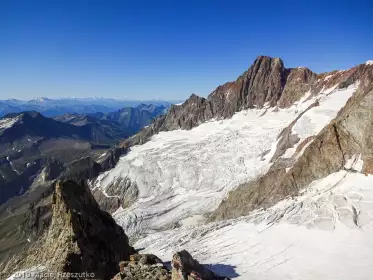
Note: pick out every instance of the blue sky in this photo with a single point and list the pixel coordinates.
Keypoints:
(169, 49)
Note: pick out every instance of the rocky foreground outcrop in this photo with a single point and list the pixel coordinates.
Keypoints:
(80, 238)
(148, 266)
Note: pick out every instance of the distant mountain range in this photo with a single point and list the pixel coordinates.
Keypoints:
(35, 148)
(54, 107)
(114, 125)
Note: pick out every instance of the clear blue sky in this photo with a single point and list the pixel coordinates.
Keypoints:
(169, 49)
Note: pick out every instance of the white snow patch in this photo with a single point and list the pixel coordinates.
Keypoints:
(109, 196)
(193, 221)
(355, 163)
(316, 118)
(369, 62)
(323, 234)
(328, 77)
(329, 90)
(11, 164)
(7, 123)
(102, 155)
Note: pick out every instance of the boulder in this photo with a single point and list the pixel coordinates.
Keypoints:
(184, 267)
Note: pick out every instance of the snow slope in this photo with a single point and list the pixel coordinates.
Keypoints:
(315, 119)
(326, 233)
(182, 175)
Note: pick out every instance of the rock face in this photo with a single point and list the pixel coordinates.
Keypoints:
(348, 136)
(299, 81)
(122, 193)
(262, 83)
(80, 238)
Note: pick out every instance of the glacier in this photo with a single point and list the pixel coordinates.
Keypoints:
(182, 175)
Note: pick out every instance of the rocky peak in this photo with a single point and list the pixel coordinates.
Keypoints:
(80, 238)
(262, 83)
(299, 81)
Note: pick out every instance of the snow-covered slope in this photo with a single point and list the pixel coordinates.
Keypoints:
(314, 119)
(182, 175)
(323, 234)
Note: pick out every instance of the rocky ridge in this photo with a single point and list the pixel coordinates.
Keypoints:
(80, 238)
(346, 137)
(266, 83)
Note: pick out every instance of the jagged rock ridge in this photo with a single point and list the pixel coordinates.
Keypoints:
(80, 238)
(266, 82)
